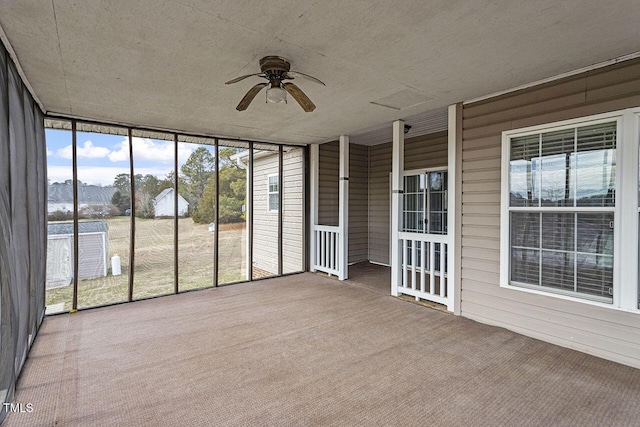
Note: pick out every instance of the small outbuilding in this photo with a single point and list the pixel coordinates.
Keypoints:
(163, 204)
(93, 242)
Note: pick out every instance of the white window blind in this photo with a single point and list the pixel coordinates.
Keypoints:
(561, 210)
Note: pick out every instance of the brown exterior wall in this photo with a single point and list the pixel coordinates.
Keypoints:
(608, 333)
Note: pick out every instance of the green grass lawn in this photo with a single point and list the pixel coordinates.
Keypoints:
(154, 267)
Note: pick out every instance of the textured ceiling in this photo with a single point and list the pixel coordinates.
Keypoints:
(163, 64)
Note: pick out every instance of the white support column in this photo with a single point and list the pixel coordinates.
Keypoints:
(453, 204)
(397, 187)
(343, 213)
(626, 216)
(314, 159)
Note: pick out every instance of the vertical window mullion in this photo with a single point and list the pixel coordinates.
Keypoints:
(280, 208)
(250, 210)
(539, 205)
(74, 166)
(132, 238)
(575, 203)
(216, 233)
(575, 251)
(540, 251)
(175, 214)
(427, 203)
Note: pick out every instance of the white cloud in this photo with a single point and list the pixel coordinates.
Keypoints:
(86, 151)
(150, 150)
(49, 152)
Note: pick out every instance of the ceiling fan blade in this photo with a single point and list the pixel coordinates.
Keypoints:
(299, 96)
(237, 79)
(249, 96)
(295, 74)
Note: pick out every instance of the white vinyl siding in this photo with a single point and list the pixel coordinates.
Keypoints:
(265, 227)
(587, 326)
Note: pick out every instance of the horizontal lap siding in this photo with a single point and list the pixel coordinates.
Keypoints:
(328, 183)
(265, 223)
(379, 170)
(293, 211)
(604, 332)
(358, 203)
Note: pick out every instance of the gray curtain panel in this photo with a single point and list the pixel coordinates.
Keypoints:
(22, 224)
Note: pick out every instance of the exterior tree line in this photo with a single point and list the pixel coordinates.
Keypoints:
(196, 183)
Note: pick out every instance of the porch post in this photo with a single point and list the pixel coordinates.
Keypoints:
(314, 165)
(343, 213)
(454, 207)
(397, 186)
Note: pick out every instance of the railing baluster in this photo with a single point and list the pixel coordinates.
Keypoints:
(404, 263)
(432, 268)
(322, 245)
(414, 262)
(423, 264)
(331, 249)
(320, 233)
(443, 286)
(336, 253)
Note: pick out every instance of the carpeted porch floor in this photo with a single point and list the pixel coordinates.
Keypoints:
(308, 350)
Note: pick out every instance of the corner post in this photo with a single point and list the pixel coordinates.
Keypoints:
(397, 187)
(454, 207)
(343, 212)
(314, 165)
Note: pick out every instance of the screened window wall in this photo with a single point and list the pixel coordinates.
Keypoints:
(199, 212)
(153, 171)
(60, 207)
(103, 233)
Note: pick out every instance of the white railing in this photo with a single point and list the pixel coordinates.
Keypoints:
(326, 256)
(423, 260)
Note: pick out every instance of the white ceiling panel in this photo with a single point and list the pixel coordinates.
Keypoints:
(163, 64)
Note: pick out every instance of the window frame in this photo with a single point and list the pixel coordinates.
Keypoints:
(269, 192)
(425, 198)
(626, 210)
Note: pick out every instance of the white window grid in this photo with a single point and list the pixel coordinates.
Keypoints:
(272, 192)
(626, 287)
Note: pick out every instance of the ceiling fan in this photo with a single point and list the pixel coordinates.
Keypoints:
(276, 70)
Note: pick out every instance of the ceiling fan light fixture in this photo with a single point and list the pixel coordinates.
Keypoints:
(276, 95)
(276, 70)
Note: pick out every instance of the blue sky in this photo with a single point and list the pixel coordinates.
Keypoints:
(101, 157)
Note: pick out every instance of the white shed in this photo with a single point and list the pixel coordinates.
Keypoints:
(163, 204)
(93, 251)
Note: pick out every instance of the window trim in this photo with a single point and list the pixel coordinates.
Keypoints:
(426, 211)
(625, 211)
(269, 192)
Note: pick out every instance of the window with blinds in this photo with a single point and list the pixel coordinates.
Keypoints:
(562, 189)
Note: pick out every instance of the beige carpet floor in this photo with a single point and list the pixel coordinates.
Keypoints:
(308, 350)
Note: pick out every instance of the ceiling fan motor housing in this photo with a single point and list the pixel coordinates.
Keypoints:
(274, 65)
